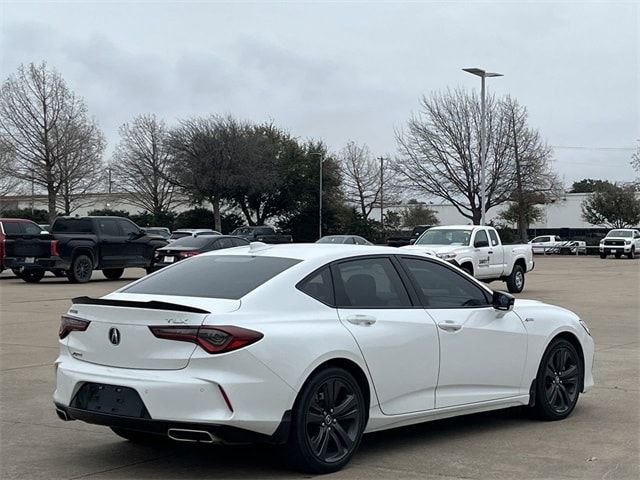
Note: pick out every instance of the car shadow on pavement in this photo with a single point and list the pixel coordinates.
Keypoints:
(177, 460)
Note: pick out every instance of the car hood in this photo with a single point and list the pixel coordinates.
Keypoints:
(535, 308)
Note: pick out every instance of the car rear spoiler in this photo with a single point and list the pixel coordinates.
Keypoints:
(151, 305)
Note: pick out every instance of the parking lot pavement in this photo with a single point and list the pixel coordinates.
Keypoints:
(600, 439)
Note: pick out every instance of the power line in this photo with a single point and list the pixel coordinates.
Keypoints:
(606, 149)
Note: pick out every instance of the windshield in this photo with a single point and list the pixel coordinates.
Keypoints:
(222, 276)
(445, 237)
(620, 233)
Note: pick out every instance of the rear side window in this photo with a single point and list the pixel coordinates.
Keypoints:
(11, 228)
(109, 226)
(31, 228)
(370, 283)
(494, 238)
(72, 225)
(224, 276)
(319, 286)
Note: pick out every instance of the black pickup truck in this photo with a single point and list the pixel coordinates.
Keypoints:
(261, 234)
(84, 244)
(408, 238)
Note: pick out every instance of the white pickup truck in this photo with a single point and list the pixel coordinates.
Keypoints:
(621, 241)
(479, 252)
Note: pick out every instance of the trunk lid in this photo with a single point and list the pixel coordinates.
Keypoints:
(37, 246)
(119, 335)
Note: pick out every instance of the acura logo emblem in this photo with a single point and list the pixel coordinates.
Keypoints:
(114, 336)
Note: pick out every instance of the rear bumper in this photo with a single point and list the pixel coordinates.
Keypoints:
(46, 263)
(256, 398)
(226, 433)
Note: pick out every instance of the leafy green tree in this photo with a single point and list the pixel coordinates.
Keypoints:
(195, 218)
(527, 209)
(590, 185)
(613, 207)
(39, 216)
(108, 213)
(418, 214)
(392, 220)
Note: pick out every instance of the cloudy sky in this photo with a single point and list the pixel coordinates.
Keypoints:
(347, 70)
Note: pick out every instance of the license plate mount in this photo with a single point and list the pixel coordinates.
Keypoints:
(110, 400)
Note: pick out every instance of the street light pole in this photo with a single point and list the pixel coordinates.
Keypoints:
(382, 193)
(483, 74)
(320, 156)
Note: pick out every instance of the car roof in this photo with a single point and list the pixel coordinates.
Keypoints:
(21, 220)
(456, 227)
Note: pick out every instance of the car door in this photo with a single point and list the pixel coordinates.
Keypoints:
(111, 243)
(398, 340)
(496, 255)
(482, 350)
(482, 253)
(135, 243)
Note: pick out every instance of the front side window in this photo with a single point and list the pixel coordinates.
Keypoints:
(481, 238)
(440, 286)
(222, 276)
(319, 286)
(128, 228)
(370, 283)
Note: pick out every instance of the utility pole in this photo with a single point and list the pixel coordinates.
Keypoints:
(109, 172)
(33, 193)
(382, 192)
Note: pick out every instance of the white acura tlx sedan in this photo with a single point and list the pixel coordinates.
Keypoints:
(310, 346)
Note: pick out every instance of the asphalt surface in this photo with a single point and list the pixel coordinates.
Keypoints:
(601, 439)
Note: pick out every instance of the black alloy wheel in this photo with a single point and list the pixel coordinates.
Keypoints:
(81, 269)
(329, 419)
(32, 275)
(559, 381)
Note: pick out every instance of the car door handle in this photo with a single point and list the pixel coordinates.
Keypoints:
(449, 326)
(490, 252)
(361, 320)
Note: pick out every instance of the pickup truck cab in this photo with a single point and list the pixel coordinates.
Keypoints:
(261, 234)
(110, 244)
(621, 241)
(410, 238)
(479, 252)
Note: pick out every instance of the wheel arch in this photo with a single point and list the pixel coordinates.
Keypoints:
(350, 366)
(84, 250)
(521, 261)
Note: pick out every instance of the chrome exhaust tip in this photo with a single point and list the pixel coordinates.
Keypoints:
(186, 435)
(62, 415)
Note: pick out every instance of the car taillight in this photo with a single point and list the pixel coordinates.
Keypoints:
(69, 323)
(53, 248)
(188, 254)
(219, 339)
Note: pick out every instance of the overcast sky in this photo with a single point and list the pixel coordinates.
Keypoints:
(345, 71)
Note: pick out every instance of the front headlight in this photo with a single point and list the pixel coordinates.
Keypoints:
(627, 242)
(446, 256)
(584, 325)
(601, 242)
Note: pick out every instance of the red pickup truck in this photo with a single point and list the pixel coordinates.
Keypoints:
(24, 243)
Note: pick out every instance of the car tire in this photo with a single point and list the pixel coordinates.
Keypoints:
(150, 269)
(603, 256)
(558, 382)
(32, 276)
(113, 273)
(632, 254)
(60, 273)
(515, 281)
(618, 255)
(136, 436)
(318, 442)
(81, 269)
(17, 272)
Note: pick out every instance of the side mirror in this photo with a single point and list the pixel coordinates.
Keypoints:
(412, 241)
(481, 243)
(503, 301)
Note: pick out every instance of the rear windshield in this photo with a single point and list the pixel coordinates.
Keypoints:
(194, 242)
(223, 276)
(72, 225)
(179, 235)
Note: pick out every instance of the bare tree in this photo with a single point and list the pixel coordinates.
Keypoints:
(635, 161)
(82, 171)
(9, 183)
(440, 152)
(203, 152)
(40, 118)
(141, 164)
(365, 178)
(535, 180)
